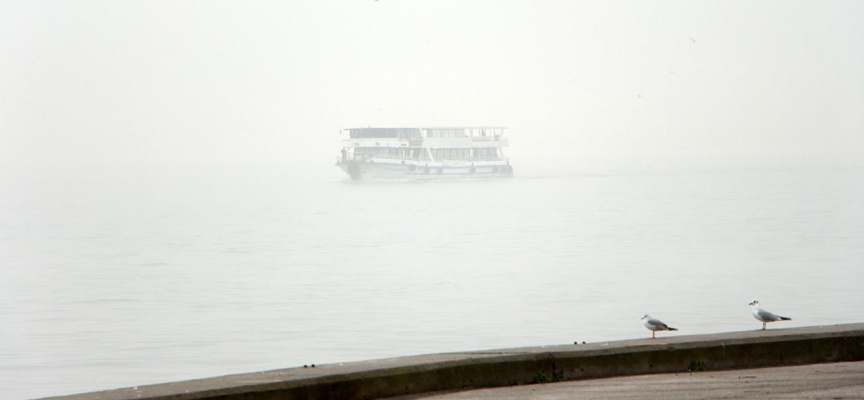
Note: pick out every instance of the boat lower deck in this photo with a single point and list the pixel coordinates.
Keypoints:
(400, 169)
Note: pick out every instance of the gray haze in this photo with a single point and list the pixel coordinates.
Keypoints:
(581, 85)
(169, 207)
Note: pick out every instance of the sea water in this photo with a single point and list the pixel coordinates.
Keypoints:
(113, 279)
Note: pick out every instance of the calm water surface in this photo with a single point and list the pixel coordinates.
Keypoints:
(121, 280)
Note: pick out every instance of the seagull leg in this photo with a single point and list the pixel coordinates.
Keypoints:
(652, 334)
(763, 325)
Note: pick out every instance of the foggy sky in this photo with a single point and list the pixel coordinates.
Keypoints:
(215, 82)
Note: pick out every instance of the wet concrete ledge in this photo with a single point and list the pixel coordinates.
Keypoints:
(452, 371)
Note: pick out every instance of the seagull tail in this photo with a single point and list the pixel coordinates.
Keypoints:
(673, 329)
(785, 319)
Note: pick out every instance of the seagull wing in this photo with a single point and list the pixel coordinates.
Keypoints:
(766, 316)
(658, 325)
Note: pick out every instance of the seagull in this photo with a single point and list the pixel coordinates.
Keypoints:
(656, 325)
(764, 315)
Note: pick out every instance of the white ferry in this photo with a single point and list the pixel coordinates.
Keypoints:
(424, 153)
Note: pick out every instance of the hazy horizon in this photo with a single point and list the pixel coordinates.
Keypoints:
(578, 84)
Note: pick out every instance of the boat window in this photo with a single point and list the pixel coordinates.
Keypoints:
(486, 153)
(401, 133)
(452, 154)
(445, 132)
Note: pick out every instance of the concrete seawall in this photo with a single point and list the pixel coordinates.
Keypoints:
(437, 372)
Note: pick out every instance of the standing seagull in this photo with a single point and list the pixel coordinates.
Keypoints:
(656, 325)
(764, 315)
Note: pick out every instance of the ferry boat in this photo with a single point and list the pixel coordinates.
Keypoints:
(424, 153)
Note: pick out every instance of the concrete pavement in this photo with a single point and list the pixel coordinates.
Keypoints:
(817, 381)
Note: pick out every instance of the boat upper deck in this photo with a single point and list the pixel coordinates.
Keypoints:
(433, 137)
(488, 132)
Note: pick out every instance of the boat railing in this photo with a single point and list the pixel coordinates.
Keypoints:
(487, 159)
(389, 157)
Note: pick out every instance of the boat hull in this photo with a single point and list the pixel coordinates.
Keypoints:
(396, 169)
